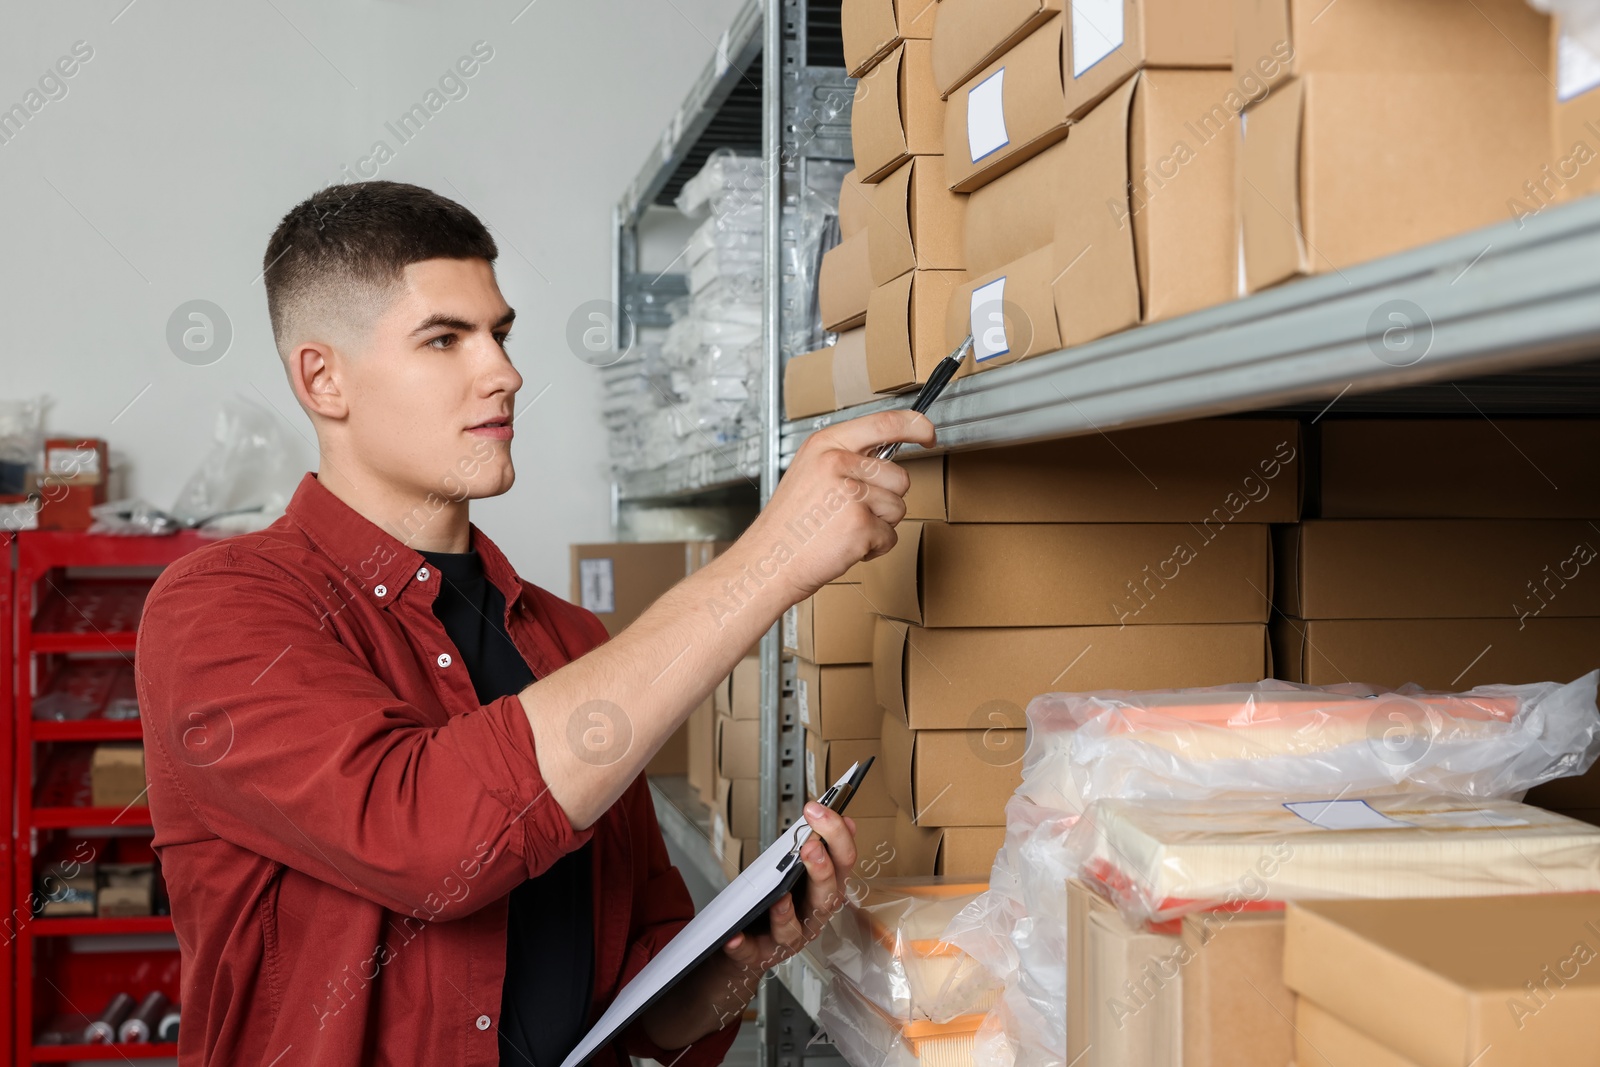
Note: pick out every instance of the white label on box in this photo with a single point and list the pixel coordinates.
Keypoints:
(72, 462)
(802, 701)
(988, 320)
(811, 774)
(719, 833)
(1096, 32)
(791, 627)
(1343, 815)
(596, 586)
(1577, 69)
(986, 116)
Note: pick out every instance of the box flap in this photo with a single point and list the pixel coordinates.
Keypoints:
(889, 251)
(868, 31)
(892, 581)
(1010, 312)
(925, 495)
(808, 384)
(971, 34)
(888, 665)
(1016, 213)
(1189, 34)
(937, 216)
(1009, 112)
(1323, 1040)
(889, 364)
(876, 135)
(969, 851)
(844, 284)
(851, 383)
(855, 204)
(1269, 204)
(897, 740)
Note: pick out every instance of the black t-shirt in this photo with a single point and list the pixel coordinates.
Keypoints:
(550, 938)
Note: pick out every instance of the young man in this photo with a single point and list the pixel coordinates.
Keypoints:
(397, 792)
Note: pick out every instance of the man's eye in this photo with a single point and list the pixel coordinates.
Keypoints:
(447, 338)
(504, 338)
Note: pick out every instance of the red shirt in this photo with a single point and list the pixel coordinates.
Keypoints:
(340, 822)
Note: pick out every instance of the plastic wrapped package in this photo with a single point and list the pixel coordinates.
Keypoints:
(1160, 860)
(867, 1037)
(1280, 739)
(727, 183)
(21, 442)
(891, 947)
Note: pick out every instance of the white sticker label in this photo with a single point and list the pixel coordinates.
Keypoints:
(988, 321)
(986, 116)
(596, 587)
(811, 774)
(71, 462)
(802, 702)
(1096, 32)
(1577, 69)
(1343, 815)
(791, 627)
(719, 833)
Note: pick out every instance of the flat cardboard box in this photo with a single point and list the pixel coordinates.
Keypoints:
(1281, 39)
(1065, 574)
(1236, 1010)
(1341, 168)
(906, 328)
(1124, 987)
(738, 802)
(1108, 42)
(827, 760)
(870, 29)
(1149, 229)
(702, 756)
(897, 112)
(1016, 213)
(1207, 471)
(1486, 981)
(833, 625)
(836, 702)
(1010, 312)
(952, 777)
(618, 581)
(1325, 1040)
(744, 689)
(1437, 569)
(916, 221)
(1441, 654)
(1467, 468)
(116, 775)
(1008, 113)
(855, 204)
(808, 384)
(738, 747)
(951, 679)
(1572, 171)
(844, 283)
(971, 34)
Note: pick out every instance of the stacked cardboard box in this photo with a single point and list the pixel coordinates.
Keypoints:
(734, 798)
(1574, 166)
(1367, 137)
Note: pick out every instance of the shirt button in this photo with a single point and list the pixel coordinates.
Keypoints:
(444, 661)
(483, 1022)
(422, 575)
(382, 590)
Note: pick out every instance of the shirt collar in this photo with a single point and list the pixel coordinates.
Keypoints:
(376, 562)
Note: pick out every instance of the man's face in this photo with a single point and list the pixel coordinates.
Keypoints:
(432, 395)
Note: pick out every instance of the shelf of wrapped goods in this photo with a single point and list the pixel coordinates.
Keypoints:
(716, 466)
(1509, 297)
(735, 50)
(686, 824)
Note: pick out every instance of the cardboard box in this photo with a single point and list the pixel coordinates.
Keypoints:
(1236, 1010)
(808, 384)
(702, 757)
(833, 625)
(125, 889)
(738, 802)
(744, 689)
(1487, 981)
(970, 678)
(1437, 569)
(851, 372)
(1151, 168)
(1009, 112)
(844, 283)
(618, 581)
(968, 851)
(971, 34)
(1280, 39)
(835, 701)
(855, 204)
(916, 221)
(76, 461)
(1108, 42)
(1441, 654)
(870, 29)
(1063, 574)
(66, 505)
(1106, 959)
(116, 775)
(897, 112)
(1572, 170)
(827, 760)
(1467, 468)
(1324, 1040)
(673, 755)
(1015, 213)
(1209, 471)
(906, 328)
(1340, 168)
(1010, 312)
(952, 777)
(67, 888)
(738, 747)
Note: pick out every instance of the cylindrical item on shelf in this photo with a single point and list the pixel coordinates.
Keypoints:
(168, 1030)
(141, 1025)
(104, 1029)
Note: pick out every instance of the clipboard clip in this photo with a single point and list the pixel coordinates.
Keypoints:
(835, 799)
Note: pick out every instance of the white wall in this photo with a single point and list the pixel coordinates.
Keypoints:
(159, 175)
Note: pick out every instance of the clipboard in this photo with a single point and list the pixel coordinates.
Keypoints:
(740, 907)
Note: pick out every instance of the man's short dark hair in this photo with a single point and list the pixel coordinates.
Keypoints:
(339, 255)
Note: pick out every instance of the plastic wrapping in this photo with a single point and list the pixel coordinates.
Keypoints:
(21, 442)
(1279, 739)
(726, 183)
(1159, 860)
(246, 477)
(867, 1037)
(890, 946)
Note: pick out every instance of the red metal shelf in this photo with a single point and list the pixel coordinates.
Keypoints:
(65, 1053)
(94, 924)
(89, 615)
(95, 685)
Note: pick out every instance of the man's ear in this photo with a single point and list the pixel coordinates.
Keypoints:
(314, 376)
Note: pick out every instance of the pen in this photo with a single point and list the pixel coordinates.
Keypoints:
(937, 380)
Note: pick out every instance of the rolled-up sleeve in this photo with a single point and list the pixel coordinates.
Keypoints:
(287, 744)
